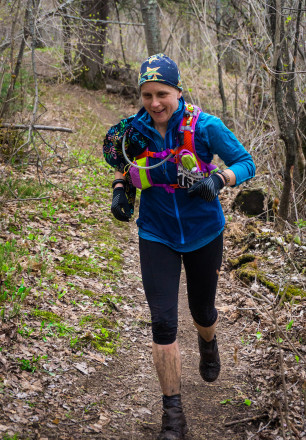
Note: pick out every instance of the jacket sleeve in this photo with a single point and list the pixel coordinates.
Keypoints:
(112, 145)
(215, 137)
(112, 151)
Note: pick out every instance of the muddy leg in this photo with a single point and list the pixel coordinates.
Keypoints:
(167, 361)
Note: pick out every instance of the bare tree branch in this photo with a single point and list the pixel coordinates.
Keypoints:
(35, 127)
(94, 21)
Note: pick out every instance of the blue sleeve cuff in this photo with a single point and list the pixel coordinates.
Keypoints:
(221, 141)
(243, 171)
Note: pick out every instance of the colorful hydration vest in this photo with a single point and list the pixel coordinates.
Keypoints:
(190, 168)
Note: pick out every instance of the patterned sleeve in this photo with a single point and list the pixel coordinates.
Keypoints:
(112, 150)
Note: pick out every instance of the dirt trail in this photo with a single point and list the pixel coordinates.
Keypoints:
(129, 385)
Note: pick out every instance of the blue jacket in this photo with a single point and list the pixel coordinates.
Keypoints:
(177, 219)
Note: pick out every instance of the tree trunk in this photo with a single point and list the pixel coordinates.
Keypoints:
(66, 38)
(149, 11)
(93, 40)
(302, 139)
(284, 102)
(186, 43)
(220, 79)
(15, 73)
(120, 33)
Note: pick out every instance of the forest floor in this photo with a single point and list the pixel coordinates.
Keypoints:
(75, 335)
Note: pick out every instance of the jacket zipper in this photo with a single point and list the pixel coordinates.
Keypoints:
(177, 213)
(178, 219)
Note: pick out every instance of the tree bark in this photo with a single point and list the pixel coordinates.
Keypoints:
(66, 38)
(220, 79)
(284, 101)
(15, 74)
(120, 33)
(93, 40)
(149, 11)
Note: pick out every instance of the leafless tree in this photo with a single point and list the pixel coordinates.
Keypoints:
(283, 73)
(92, 39)
(149, 10)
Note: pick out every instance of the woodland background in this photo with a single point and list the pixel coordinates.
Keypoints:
(68, 70)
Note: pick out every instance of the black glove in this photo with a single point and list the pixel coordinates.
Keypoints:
(208, 188)
(120, 205)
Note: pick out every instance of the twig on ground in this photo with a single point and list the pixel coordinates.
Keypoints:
(247, 419)
(25, 200)
(282, 372)
(282, 419)
(260, 430)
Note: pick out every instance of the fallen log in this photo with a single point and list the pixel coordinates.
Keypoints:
(36, 127)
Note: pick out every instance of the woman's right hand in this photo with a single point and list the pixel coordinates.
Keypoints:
(208, 188)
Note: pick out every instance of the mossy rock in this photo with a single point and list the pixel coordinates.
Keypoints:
(248, 274)
(252, 202)
(242, 259)
(293, 291)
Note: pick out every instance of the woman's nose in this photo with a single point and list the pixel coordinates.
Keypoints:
(155, 102)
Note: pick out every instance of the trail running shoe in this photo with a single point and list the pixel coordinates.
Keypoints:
(174, 426)
(210, 364)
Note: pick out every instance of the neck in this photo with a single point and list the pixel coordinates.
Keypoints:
(162, 129)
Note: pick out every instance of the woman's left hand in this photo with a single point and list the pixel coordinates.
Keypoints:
(208, 188)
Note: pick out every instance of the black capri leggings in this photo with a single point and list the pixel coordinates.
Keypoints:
(161, 269)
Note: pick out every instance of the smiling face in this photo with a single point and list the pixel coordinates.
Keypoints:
(160, 101)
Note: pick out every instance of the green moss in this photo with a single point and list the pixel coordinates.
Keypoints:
(112, 255)
(292, 291)
(110, 298)
(248, 273)
(89, 221)
(104, 349)
(105, 338)
(23, 187)
(87, 318)
(242, 259)
(97, 323)
(87, 292)
(86, 267)
(142, 323)
(82, 266)
(105, 341)
(48, 316)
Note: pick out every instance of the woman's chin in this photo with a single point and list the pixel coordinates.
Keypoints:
(159, 117)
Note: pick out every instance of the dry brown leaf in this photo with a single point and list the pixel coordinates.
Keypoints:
(96, 357)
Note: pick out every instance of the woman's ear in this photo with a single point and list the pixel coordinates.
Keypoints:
(179, 94)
